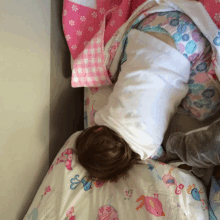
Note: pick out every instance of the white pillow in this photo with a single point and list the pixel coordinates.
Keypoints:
(150, 86)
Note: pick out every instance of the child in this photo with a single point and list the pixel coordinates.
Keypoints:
(159, 56)
(104, 153)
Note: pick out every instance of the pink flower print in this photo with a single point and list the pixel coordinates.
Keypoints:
(65, 12)
(107, 213)
(74, 8)
(102, 10)
(51, 168)
(217, 16)
(217, 1)
(70, 212)
(71, 22)
(201, 78)
(179, 189)
(68, 215)
(79, 33)
(68, 151)
(64, 152)
(108, 209)
(94, 90)
(68, 37)
(73, 47)
(70, 157)
(87, 101)
(72, 217)
(129, 193)
(63, 158)
(101, 210)
(120, 12)
(112, 23)
(99, 184)
(90, 29)
(68, 164)
(58, 160)
(47, 189)
(82, 18)
(113, 49)
(94, 14)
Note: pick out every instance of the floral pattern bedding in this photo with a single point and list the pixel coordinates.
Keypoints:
(150, 191)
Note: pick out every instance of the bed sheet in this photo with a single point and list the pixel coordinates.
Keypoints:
(150, 191)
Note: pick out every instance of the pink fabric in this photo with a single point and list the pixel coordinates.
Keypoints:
(213, 8)
(88, 29)
(89, 69)
(81, 23)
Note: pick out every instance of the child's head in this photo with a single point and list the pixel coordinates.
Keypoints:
(104, 154)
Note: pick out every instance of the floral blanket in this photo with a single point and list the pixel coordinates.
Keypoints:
(151, 191)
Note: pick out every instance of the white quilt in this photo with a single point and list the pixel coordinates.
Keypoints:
(151, 191)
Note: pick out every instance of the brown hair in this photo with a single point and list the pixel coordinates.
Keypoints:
(104, 154)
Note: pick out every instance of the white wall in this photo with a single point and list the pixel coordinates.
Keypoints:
(24, 102)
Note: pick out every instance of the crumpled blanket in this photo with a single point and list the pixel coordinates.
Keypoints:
(199, 148)
(152, 190)
(96, 59)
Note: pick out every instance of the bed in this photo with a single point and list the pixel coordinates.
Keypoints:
(66, 194)
(152, 190)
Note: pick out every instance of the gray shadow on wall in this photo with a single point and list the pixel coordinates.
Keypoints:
(66, 117)
(66, 103)
(59, 47)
